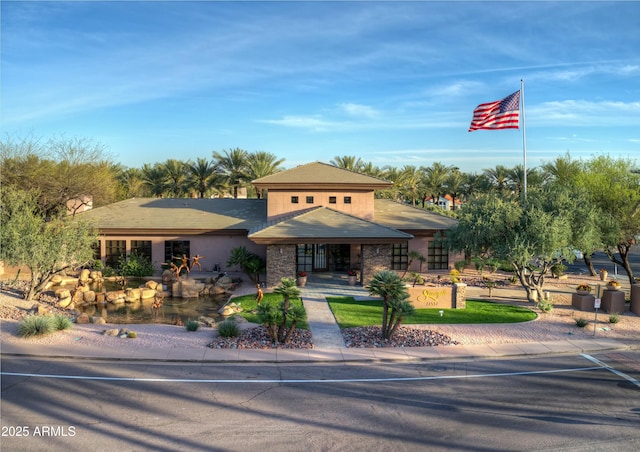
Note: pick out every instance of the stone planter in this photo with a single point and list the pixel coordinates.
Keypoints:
(583, 292)
(603, 275)
(352, 279)
(612, 287)
(635, 299)
(301, 281)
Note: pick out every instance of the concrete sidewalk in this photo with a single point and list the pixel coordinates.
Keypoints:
(328, 342)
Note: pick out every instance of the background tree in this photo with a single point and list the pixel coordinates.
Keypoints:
(453, 185)
(204, 176)
(234, 166)
(435, 177)
(533, 239)
(615, 191)
(155, 179)
(348, 162)
(262, 164)
(59, 170)
(45, 246)
(391, 288)
(178, 183)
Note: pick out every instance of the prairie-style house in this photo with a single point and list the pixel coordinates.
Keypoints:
(315, 218)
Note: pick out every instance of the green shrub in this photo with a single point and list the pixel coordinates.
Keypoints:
(135, 265)
(192, 325)
(108, 271)
(228, 328)
(558, 270)
(545, 305)
(614, 317)
(581, 323)
(61, 322)
(33, 325)
(493, 265)
(460, 265)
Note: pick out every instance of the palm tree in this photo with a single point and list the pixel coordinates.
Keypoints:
(155, 179)
(348, 162)
(288, 290)
(562, 169)
(177, 172)
(391, 288)
(453, 184)
(411, 182)
(262, 164)
(434, 181)
(499, 177)
(202, 174)
(233, 165)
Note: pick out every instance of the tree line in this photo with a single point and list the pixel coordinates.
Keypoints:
(584, 205)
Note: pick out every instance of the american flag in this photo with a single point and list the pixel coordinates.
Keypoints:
(501, 114)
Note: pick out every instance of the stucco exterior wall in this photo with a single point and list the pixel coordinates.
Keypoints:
(215, 249)
(279, 202)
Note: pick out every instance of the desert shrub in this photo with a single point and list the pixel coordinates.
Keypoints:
(581, 323)
(34, 325)
(61, 322)
(558, 270)
(192, 325)
(455, 276)
(614, 318)
(228, 328)
(545, 305)
(493, 265)
(108, 271)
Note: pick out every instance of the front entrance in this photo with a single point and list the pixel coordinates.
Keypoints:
(319, 257)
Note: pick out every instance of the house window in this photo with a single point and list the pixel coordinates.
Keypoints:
(113, 251)
(332, 199)
(175, 249)
(438, 256)
(294, 200)
(400, 256)
(304, 257)
(347, 199)
(142, 248)
(309, 199)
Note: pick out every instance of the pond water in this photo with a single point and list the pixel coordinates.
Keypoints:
(143, 311)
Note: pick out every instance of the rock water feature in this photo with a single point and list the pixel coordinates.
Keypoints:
(119, 300)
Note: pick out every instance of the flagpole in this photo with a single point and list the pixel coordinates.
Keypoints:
(524, 137)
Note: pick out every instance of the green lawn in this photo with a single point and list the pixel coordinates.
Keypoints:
(249, 305)
(351, 313)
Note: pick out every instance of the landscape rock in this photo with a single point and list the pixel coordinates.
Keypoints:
(82, 319)
(98, 320)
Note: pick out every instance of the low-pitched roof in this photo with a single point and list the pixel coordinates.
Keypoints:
(408, 218)
(191, 215)
(325, 225)
(319, 175)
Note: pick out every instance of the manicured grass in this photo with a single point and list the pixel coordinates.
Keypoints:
(249, 305)
(351, 313)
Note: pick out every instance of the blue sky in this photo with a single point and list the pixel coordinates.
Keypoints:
(394, 83)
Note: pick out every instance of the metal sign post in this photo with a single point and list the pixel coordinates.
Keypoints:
(595, 322)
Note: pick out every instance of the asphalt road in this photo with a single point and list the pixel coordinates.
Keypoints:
(545, 403)
(600, 260)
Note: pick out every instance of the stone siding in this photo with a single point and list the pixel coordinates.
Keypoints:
(281, 263)
(459, 296)
(375, 258)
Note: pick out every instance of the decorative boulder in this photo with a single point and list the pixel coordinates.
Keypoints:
(98, 320)
(153, 285)
(145, 294)
(64, 302)
(225, 282)
(206, 320)
(84, 276)
(131, 295)
(63, 293)
(82, 319)
(89, 296)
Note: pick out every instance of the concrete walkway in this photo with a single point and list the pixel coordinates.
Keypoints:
(328, 342)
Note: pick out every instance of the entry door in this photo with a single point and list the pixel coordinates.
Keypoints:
(319, 257)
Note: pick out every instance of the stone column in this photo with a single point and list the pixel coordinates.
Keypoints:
(281, 263)
(459, 295)
(375, 258)
(635, 299)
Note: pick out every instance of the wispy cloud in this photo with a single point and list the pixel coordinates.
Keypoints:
(584, 113)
